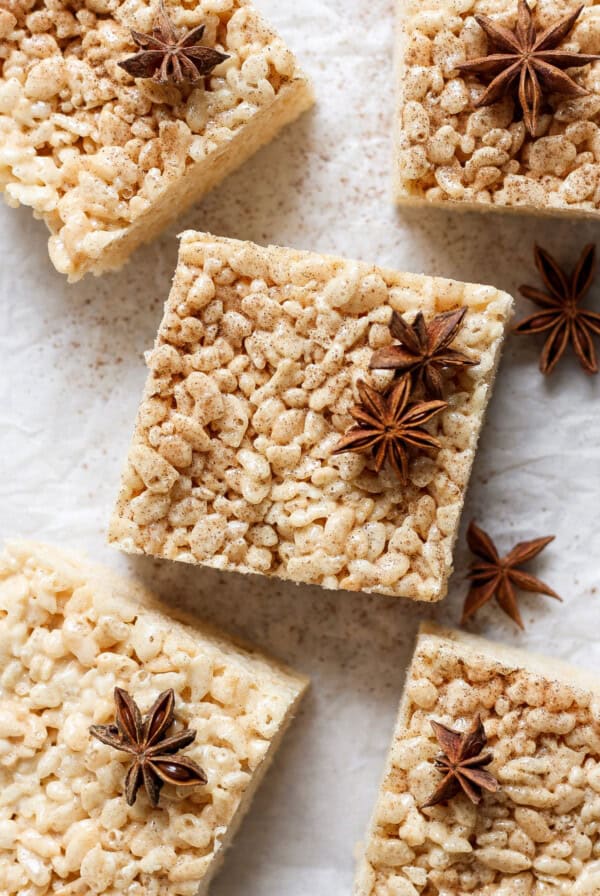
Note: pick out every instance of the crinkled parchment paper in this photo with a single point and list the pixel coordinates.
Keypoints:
(71, 378)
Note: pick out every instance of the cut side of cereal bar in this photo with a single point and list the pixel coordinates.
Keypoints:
(69, 634)
(537, 835)
(108, 160)
(452, 152)
(256, 368)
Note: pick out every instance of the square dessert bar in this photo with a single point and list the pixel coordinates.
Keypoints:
(449, 152)
(108, 160)
(70, 633)
(252, 378)
(538, 836)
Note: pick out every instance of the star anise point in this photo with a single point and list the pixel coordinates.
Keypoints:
(154, 762)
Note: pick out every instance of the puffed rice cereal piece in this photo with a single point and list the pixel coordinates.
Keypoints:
(106, 160)
(449, 153)
(538, 835)
(231, 464)
(69, 633)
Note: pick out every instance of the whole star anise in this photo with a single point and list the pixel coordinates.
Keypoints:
(424, 349)
(165, 57)
(388, 425)
(495, 576)
(531, 58)
(463, 763)
(562, 317)
(153, 762)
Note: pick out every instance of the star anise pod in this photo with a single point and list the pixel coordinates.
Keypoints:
(153, 760)
(463, 763)
(562, 317)
(388, 425)
(424, 349)
(495, 576)
(166, 57)
(532, 59)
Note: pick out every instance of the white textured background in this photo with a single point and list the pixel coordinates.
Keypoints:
(71, 375)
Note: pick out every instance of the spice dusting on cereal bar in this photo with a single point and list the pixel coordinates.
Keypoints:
(499, 105)
(70, 634)
(533, 834)
(107, 159)
(256, 372)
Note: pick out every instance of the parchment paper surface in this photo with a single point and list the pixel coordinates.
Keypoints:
(71, 375)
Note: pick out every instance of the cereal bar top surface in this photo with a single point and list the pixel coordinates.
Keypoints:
(90, 148)
(450, 151)
(68, 636)
(539, 835)
(251, 382)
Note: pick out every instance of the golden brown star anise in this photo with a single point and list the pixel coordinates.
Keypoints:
(529, 59)
(166, 57)
(153, 760)
(388, 425)
(424, 350)
(463, 763)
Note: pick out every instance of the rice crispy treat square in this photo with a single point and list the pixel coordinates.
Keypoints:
(251, 381)
(539, 835)
(448, 153)
(70, 633)
(106, 160)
